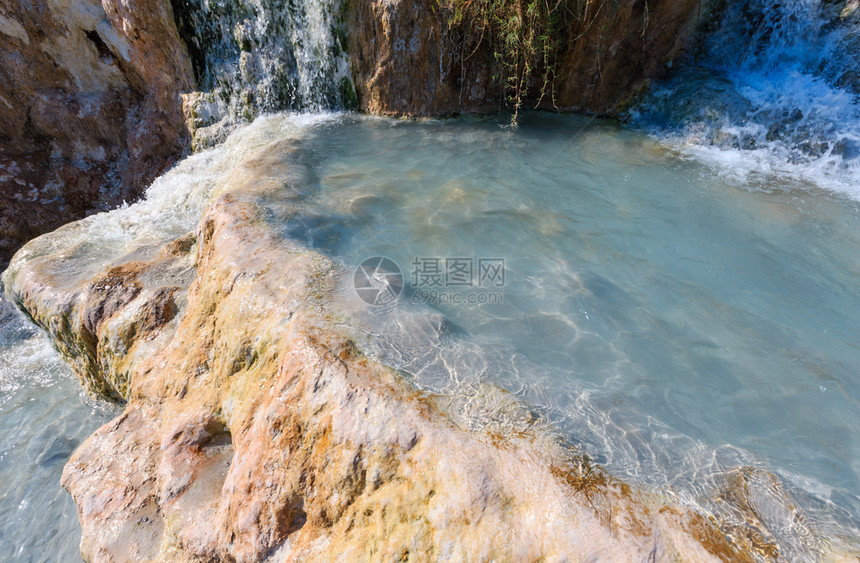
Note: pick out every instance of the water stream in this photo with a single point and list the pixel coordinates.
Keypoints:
(772, 91)
(44, 416)
(258, 56)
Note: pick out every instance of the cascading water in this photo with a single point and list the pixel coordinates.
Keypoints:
(257, 56)
(772, 91)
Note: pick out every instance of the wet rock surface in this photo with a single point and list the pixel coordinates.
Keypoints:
(255, 428)
(407, 60)
(90, 111)
(618, 50)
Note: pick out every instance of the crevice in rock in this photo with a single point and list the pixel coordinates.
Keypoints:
(105, 54)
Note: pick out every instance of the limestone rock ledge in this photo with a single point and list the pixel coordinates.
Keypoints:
(254, 429)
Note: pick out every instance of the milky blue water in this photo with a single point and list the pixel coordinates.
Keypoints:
(671, 322)
(674, 322)
(44, 416)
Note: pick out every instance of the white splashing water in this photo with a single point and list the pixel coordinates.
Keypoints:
(320, 58)
(253, 57)
(776, 96)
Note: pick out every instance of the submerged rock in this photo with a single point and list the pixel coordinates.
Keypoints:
(772, 522)
(255, 428)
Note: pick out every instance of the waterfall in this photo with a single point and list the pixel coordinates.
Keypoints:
(258, 56)
(772, 90)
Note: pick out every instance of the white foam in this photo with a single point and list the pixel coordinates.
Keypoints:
(799, 128)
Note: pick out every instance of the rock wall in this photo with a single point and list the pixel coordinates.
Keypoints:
(89, 108)
(617, 50)
(406, 59)
(407, 62)
(255, 428)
